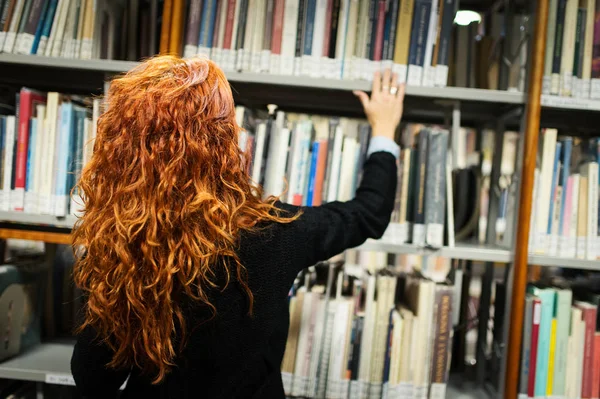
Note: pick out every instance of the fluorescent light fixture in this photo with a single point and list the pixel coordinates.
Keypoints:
(465, 17)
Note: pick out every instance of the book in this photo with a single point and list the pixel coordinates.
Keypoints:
(192, 28)
(419, 228)
(435, 189)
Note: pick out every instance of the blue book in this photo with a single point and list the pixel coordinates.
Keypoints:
(420, 28)
(547, 298)
(47, 27)
(31, 153)
(40, 27)
(77, 148)
(207, 24)
(567, 147)
(313, 173)
(64, 155)
(311, 8)
(554, 183)
(387, 28)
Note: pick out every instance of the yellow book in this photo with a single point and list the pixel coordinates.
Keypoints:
(551, 357)
(403, 32)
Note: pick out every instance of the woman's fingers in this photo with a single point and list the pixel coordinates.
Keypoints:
(394, 84)
(401, 91)
(386, 81)
(376, 83)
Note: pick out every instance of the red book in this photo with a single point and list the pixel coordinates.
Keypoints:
(327, 36)
(277, 27)
(596, 368)
(229, 25)
(320, 174)
(589, 317)
(28, 99)
(379, 37)
(535, 333)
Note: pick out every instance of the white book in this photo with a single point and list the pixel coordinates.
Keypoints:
(364, 368)
(572, 240)
(294, 158)
(553, 247)
(257, 36)
(244, 55)
(37, 161)
(349, 68)
(428, 69)
(46, 205)
(275, 168)
(261, 134)
(57, 41)
(545, 186)
(300, 379)
(9, 154)
(335, 164)
(317, 346)
(588, 48)
(591, 171)
(11, 34)
(314, 68)
(568, 48)
(345, 192)
(80, 26)
(67, 46)
(288, 38)
(341, 36)
(337, 364)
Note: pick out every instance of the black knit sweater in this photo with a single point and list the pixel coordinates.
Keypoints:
(236, 355)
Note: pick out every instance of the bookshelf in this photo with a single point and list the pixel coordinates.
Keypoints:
(50, 361)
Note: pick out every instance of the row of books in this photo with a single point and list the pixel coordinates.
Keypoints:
(565, 216)
(561, 344)
(379, 335)
(65, 28)
(320, 158)
(325, 38)
(420, 210)
(44, 147)
(572, 61)
(83, 29)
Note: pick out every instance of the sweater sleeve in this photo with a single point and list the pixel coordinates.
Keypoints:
(334, 227)
(88, 366)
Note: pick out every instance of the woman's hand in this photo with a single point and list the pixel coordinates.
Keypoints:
(384, 108)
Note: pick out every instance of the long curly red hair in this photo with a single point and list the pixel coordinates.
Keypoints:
(165, 195)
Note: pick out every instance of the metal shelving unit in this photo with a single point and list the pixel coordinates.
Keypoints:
(48, 362)
(112, 66)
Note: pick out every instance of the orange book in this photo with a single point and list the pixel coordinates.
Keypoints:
(165, 30)
(177, 21)
(320, 175)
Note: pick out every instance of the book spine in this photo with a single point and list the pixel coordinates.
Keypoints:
(333, 34)
(327, 28)
(277, 34)
(308, 32)
(193, 28)
(367, 56)
(545, 328)
(288, 39)
(207, 27)
(435, 189)
(22, 25)
(314, 67)
(526, 347)
(580, 85)
(592, 211)
(229, 45)
(566, 161)
(428, 67)
(551, 357)
(403, 39)
(441, 343)
(558, 42)
(563, 323)
(589, 318)
(419, 202)
(582, 217)
(549, 55)
(418, 41)
(552, 199)
(568, 48)
(379, 31)
(390, 33)
(9, 154)
(320, 174)
(535, 331)
(595, 84)
(313, 173)
(596, 367)
(300, 28)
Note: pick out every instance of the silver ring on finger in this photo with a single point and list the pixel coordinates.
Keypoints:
(394, 90)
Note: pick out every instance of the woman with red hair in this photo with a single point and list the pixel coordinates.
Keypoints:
(186, 268)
